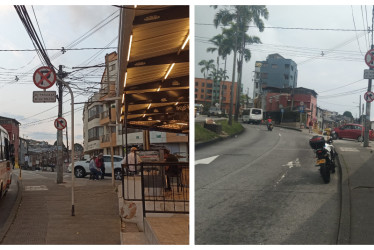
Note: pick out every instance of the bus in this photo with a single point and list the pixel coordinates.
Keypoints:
(5, 162)
(252, 115)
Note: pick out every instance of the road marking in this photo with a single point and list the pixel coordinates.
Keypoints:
(36, 188)
(291, 164)
(349, 149)
(206, 160)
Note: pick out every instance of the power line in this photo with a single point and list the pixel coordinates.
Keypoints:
(66, 49)
(291, 28)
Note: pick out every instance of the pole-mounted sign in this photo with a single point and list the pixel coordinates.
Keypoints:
(44, 77)
(369, 96)
(60, 123)
(369, 58)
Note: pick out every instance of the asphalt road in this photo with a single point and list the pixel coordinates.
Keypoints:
(263, 188)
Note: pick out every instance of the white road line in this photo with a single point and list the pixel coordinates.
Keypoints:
(206, 160)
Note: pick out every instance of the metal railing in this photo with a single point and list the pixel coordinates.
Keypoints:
(161, 187)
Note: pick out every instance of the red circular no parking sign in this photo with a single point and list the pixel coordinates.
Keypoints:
(369, 58)
(44, 77)
(60, 123)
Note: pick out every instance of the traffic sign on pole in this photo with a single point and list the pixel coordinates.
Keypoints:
(369, 96)
(369, 58)
(44, 96)
(60, 123)
(44, 77)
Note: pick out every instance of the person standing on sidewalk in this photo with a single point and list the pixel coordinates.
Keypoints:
(93, 169)
(310, 126)
(100, 165)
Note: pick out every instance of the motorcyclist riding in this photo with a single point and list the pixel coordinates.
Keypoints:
(269, 123)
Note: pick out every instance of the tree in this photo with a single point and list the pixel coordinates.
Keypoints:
(240, 17)
(207, 66)
(348, 114)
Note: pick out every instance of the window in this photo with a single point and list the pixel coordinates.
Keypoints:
(196, 90)
(112, 67)
(94, 112)
(287, 66)
(274, 66)
(208, 85)
(264, 75)
(202, 90)
(285, 76)
(265, 65)
(291, 77)
(202, 84)
(202, 96)
(256, 85)
(196, 84)
(195, 96)
(95, 133)
(291, 68)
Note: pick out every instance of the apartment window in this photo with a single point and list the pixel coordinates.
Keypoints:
(195, 96)
(112, 67)
(202, 96)
(208, 85)
(291, 77)
(287, 66)
(94, 112)
(202, 90)
(209, 91)
(265, 65)
(196, 90)
(256, 85)
(286, 77)
(95, 133)
(196, 84)
(202, 84)
(291, 68)
(274, 66)
(264, 75)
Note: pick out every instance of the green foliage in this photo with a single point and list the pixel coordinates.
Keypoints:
(348, 114)
(230, 130)
(202, 134)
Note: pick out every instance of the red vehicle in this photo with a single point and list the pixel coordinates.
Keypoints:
(351, 131)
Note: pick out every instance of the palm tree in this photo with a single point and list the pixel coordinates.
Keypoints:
(207, 66)
(222, 47)
(239, 17)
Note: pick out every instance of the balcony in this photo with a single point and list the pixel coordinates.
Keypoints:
(105, 140)
(104, 117)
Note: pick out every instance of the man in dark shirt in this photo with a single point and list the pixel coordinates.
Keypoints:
(172, 170)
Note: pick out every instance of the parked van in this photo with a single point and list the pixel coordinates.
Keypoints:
(253, 115)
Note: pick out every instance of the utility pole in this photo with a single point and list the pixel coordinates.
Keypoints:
(368, 104)
(59, 163)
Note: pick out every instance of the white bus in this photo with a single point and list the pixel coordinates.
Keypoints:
(5, 162)
(253, 115)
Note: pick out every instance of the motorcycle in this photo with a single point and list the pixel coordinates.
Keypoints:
(325, 154)
(270, 126)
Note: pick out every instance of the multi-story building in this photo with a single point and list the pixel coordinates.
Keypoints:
(92, 130)
(301, 100)
(204, 90)
(12, 126)
(276, 71)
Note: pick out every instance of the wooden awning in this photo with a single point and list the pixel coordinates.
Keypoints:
(154, 82)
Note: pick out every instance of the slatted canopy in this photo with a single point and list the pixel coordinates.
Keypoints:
(154, 68)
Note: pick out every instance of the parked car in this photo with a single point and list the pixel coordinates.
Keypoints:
(81, 168)
(214, 111)
(351, 131)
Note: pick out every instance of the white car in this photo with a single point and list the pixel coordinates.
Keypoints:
(81, 168)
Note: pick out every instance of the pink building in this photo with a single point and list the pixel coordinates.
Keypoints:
(282, 98)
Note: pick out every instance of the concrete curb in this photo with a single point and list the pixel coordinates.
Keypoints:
(344, 233)
(297, 129)
(13, 213)
(207, 143)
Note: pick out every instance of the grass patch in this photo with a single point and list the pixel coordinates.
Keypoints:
(202, 134)
(230, 130)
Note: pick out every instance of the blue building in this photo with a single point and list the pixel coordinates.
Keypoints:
(276, 71)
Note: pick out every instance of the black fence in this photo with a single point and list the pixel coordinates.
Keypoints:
(164, 187)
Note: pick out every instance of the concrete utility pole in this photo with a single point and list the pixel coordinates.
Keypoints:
(368, 104)
(59, 163)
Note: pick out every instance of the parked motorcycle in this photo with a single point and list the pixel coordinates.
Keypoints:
(325, 154)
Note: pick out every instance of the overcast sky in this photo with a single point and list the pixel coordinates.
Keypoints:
(60, 26)
(337, 75)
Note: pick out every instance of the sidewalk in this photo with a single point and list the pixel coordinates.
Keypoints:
(44, 215)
